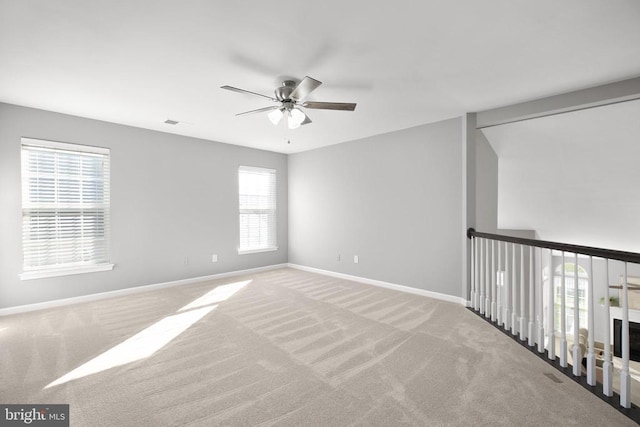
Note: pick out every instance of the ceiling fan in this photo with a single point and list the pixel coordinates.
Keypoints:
(291, 99)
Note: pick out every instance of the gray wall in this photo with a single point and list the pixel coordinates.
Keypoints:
(486, 170)
(395, 200)
(171, 197)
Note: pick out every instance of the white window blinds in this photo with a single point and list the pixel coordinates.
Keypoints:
(257, 191)
(65, 206)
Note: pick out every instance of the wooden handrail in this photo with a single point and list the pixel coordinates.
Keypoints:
(633, 257)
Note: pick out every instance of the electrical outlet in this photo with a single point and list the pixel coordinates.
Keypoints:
(186, 260)
(214, 258)
(356, 259)
(338, 257)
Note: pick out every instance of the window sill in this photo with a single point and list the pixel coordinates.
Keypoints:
(255, 251)
(41, 274)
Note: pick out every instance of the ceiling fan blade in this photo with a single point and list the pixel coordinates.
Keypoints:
(306, 120)
(259, 110)
(235, 89)
(344, 106)
(306, 86)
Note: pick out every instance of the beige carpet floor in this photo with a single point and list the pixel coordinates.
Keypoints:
(287, 348)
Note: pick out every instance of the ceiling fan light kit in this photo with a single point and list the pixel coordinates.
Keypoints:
(296, 117)
(290, 98)
(275, 116)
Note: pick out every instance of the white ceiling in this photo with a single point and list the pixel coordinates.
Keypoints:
(572, 177)
(404, 62)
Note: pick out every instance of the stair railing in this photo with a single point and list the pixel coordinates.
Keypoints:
(507, 287)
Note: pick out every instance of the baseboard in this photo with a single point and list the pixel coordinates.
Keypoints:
(128, 291)
(395, 287)
(146, 288)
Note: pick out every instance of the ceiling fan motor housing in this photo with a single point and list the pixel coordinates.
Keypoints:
(284, 92)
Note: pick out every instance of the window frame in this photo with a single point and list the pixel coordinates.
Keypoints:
(556, 285)
(272, 212)
(583, 286)
(63, 269)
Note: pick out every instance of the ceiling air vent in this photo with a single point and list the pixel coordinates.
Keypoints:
(171, 122)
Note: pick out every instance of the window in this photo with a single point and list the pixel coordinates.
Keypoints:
(65, 208)
(257, 191)
(569, 288)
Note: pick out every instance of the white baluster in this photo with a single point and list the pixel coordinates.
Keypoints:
(532, 299)
(523, 317)
(472, 294)
(506, 279)
(514, 303)
(540, 285)
(487, 292)
(500, 285)
(563, 318)
(551, 347)
(625, 378)
(493, 281)
(481, 276)
(577, 352)
(476, 261)
(607, 366)
(591, 355)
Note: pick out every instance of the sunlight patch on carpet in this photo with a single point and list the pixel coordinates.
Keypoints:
(156, 336)
(219, 294)
(139, 346)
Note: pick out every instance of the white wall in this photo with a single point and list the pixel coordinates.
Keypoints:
(171, 197)
(395, 200)
(573, 177)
